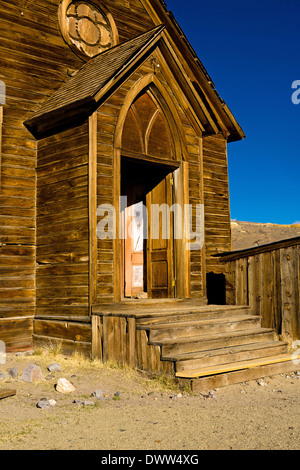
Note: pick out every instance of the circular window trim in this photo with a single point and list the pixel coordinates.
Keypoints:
(62, 20)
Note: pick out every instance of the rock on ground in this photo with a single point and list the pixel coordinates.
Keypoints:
(32, 373)
(64, 386)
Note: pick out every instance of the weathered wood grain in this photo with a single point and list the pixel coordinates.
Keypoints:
(6, 393)
(97, 337)
(34, 62)
(267, 279)
(62, 278)
(290, 288)
(216, 200)
(52, 265)
(16, 333)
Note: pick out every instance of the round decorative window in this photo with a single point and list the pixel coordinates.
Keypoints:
(87, 28)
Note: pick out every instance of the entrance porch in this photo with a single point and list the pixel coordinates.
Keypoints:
(204, 346)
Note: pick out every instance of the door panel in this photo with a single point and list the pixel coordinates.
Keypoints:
(160, 241)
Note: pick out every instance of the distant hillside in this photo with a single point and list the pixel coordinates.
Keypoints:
(249, 234)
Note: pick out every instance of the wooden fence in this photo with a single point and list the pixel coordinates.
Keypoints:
(267, 278)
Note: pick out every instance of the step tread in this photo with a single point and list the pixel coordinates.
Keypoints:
(148, 314)
(186, 315)
(154, 309)
(213, 336)
(211, 321)
(235, 366)
(227, 350)
(206, 383)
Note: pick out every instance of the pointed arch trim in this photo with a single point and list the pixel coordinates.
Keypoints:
(151, 82)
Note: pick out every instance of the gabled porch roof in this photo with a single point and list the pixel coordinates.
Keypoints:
(78, 97)
(91, 86)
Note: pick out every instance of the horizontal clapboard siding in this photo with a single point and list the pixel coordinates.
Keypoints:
(130, 17)
(216, 198)
(62, 224)
(33, 63)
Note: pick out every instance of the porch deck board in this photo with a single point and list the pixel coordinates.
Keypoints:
(157, 308)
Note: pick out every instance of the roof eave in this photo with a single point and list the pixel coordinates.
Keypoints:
(65, 117)
(228, 125)
(61, 119)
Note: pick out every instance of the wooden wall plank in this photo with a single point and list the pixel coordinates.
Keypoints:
(242, 282)
(97, 337)
(267, 288)
(216, 197)
(34, 62)
(270, 282)
(230, 276)
(64, 330)
(16, 333)
(277, 314)
(290, 282)
(115, 339)
(62, 286)
(254, 284)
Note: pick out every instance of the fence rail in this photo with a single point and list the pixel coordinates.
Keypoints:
(267, 278)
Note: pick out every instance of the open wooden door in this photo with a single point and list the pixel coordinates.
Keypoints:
(134, 279)
(160, 245)
(149, 157)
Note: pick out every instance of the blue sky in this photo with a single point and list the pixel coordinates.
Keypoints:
(251, 49)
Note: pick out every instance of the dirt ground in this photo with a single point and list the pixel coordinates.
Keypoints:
(145, 414)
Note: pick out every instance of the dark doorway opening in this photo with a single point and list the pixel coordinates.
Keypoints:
(216, 288)
(147, 263)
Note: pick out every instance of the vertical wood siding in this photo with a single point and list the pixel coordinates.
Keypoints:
(268, 280)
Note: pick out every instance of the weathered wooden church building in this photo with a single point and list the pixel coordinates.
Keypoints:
(107, 115)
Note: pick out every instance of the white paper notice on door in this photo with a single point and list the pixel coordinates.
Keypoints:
(137, 276)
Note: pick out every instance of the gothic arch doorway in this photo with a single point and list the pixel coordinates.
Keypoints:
(150, 168)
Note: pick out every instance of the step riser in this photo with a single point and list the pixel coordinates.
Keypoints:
(206, 384)
(202, 329)
(191, 316)
(227, 358)
(170, 350)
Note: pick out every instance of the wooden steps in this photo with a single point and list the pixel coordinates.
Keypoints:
(220, 376)
(208, 346)
(187, 313)
(171, 348)
(150, 308)
(213, 346)
(235, 376)
(192, 361)
(200, 327)
(235, 366)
